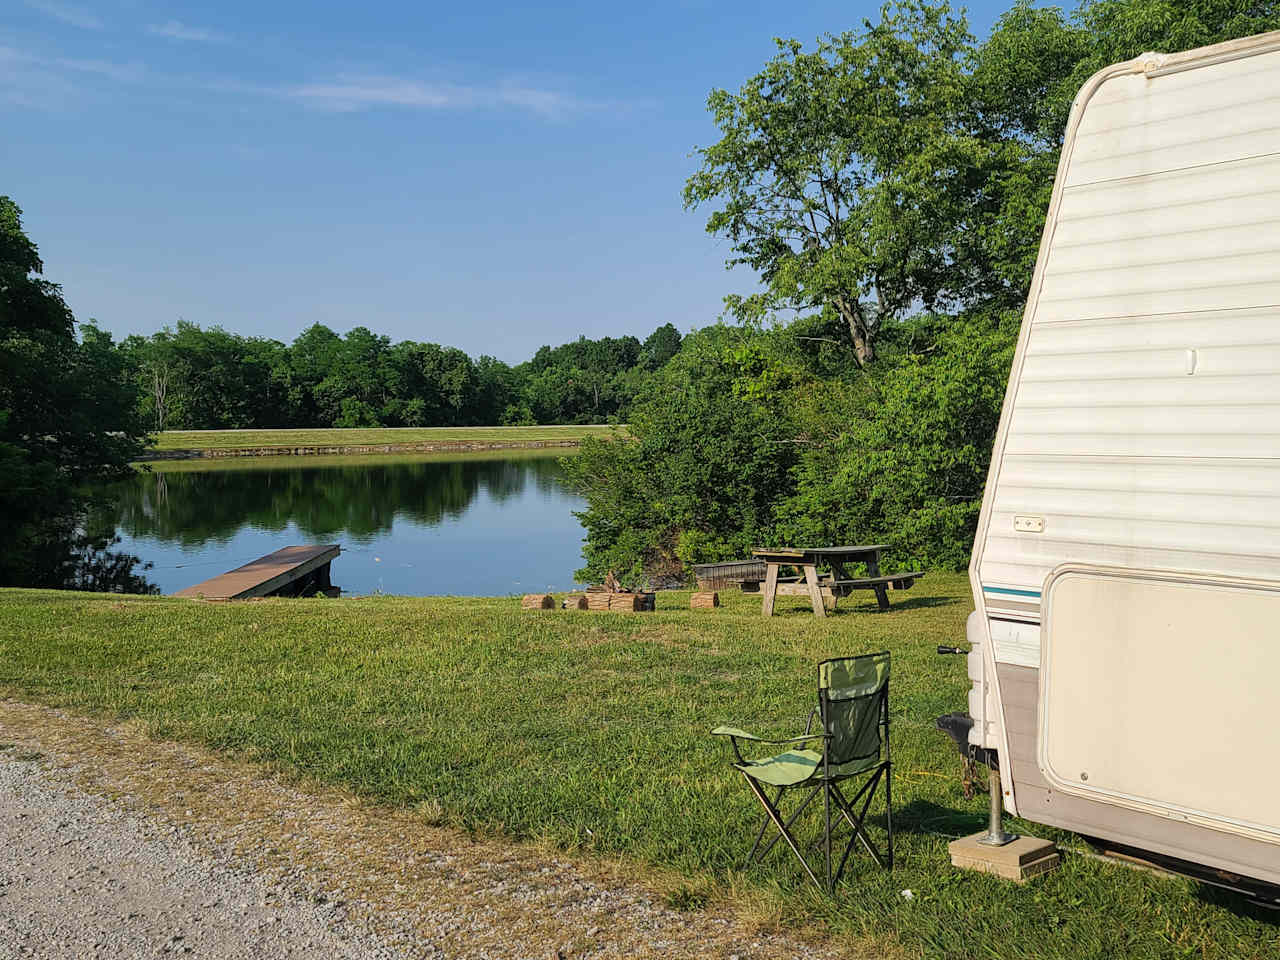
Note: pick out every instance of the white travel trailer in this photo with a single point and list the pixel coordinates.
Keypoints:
(1126, 573)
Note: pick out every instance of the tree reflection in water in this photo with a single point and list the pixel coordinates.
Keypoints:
(356, 501)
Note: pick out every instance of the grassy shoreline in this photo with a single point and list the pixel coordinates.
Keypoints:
(177, 444)
(204, 464)
(589, 731)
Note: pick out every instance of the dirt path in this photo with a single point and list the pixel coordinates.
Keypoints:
(83, 878)
(113, 845)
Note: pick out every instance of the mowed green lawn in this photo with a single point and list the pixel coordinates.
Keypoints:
(359, 436)
(590, 730)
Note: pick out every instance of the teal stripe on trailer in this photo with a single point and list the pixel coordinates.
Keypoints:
(1011, 591)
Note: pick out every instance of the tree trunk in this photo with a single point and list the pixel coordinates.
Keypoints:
(864, 349)
(160, 392)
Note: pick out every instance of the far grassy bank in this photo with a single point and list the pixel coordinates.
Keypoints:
(269, 462)
(362, 440)
(589, 730)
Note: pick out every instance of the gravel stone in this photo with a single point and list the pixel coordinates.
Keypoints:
(80, 877)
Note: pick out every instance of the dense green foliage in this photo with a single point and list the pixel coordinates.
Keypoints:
(66, 419)
(589, 731)
(888, 187)
(196, 379)
(708, 461)
(903, 459)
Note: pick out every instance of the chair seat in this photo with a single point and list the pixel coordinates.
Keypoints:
(796, 766)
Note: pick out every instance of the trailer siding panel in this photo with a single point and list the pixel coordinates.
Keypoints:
(1142, 426)
(1145, 428)
(1039, 802)
(1136, 126)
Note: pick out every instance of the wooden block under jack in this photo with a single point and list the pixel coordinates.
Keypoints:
(1019, 859)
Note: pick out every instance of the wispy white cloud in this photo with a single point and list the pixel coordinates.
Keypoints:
(40, 82)
(49, 81)
(68, 13)
(347, 92)
(23, 86)
(121, 72)
(176, 30)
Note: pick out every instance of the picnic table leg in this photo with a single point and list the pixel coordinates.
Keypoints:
(815, 591)
(770, 588)
(882, 592)
(838, 572)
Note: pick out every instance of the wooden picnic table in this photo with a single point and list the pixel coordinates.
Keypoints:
(838, 585)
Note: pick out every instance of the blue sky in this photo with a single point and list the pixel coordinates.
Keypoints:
(493, 177)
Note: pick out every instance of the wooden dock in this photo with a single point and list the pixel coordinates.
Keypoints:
(290, 571)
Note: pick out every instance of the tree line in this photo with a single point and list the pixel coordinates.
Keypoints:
(888, 186)
(69, 422)
(186, 377)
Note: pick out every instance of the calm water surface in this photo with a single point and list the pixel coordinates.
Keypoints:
(479, 526)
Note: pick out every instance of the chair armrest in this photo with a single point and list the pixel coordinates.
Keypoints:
(734, 735)
(737, 734)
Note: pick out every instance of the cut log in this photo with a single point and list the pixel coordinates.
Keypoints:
(622, 602)
(704, 601)
(630, 602)
(575, 601)
(537, 601)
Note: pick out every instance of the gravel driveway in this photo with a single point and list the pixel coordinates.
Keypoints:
(114, 845)
(84, 878)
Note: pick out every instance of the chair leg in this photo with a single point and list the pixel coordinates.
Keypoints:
(764, 825)
(844, 858)
(826, 831)
(857, 821)
(782, 827)
(888, 807)
(859, 833)
(862, 820)
(795, 815)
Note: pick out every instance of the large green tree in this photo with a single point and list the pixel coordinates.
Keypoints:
(839, 173)
(68, 422)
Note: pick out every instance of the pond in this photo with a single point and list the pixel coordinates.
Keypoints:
(473, 525)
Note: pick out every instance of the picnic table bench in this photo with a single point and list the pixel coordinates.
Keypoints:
(824, 589)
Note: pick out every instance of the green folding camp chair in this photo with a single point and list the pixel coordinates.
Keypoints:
(853, 709)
